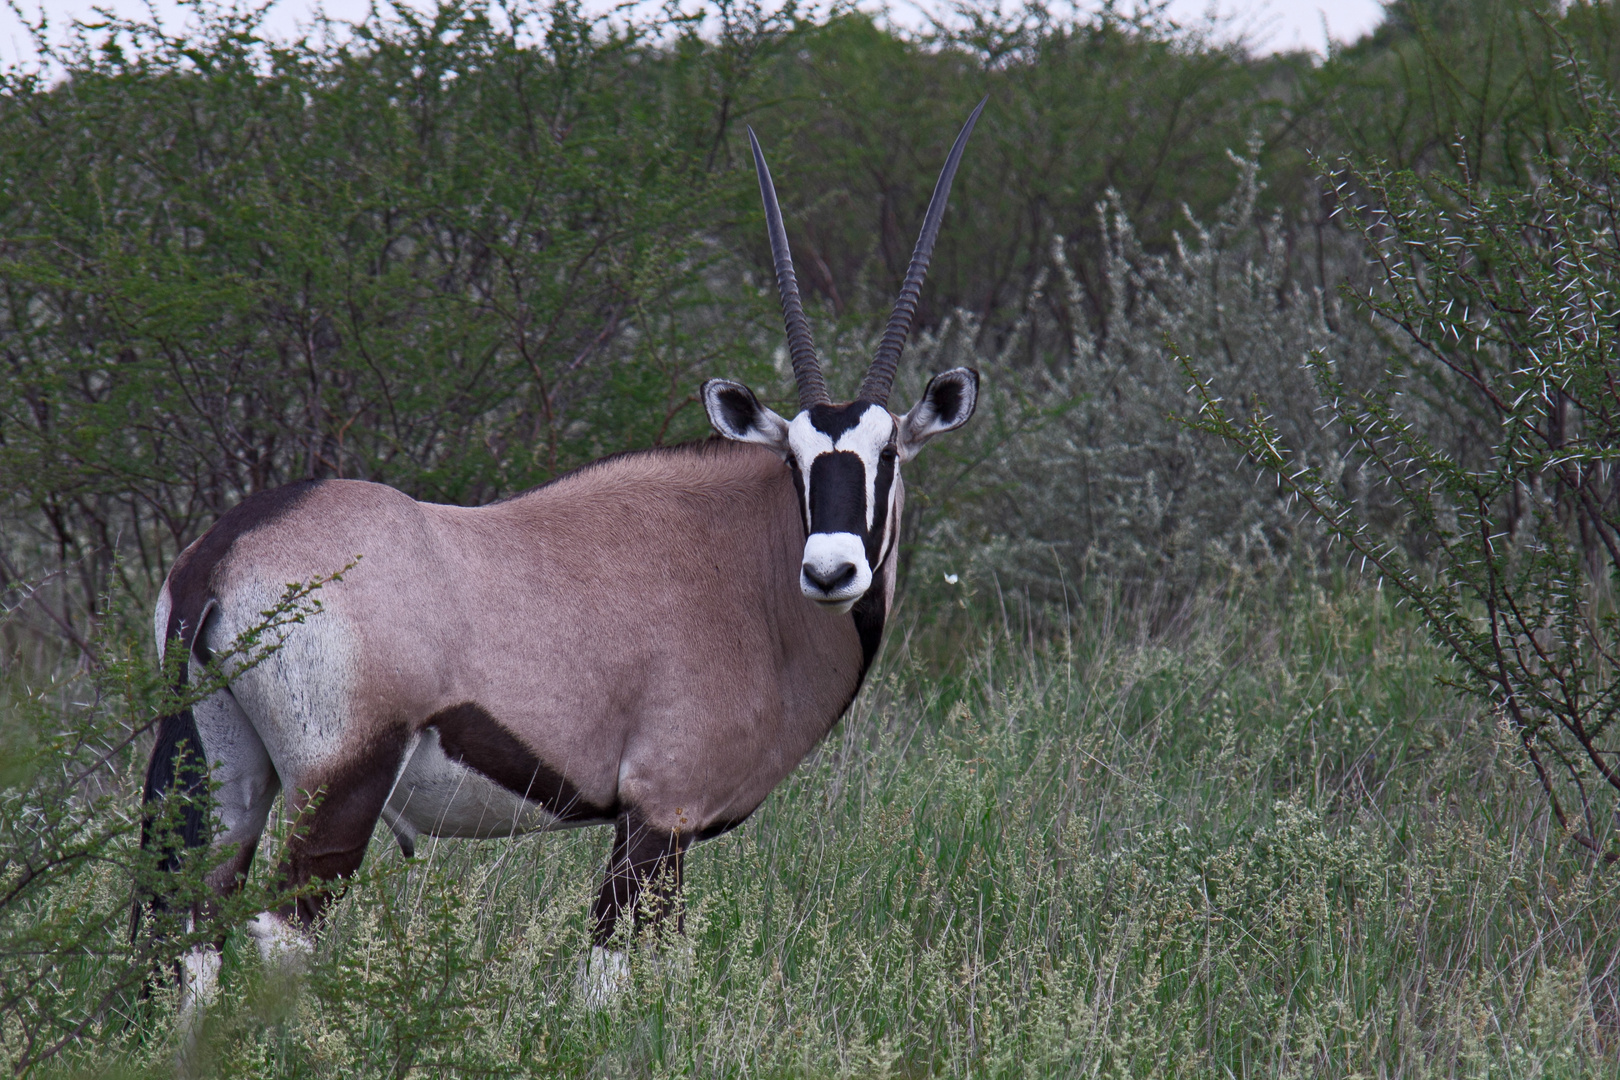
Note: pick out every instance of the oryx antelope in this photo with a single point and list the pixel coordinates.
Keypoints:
(653, 641)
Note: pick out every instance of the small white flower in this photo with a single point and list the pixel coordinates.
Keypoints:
(950, 579)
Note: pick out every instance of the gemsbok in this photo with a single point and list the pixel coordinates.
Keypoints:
(653, 641)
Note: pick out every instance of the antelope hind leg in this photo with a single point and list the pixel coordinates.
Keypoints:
(245, 789)
(329, 838)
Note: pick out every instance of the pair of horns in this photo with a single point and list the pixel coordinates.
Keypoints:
(879, 379)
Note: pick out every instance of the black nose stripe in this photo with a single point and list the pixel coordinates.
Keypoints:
(838, 493)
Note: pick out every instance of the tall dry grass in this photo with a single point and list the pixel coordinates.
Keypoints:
(1263, 844)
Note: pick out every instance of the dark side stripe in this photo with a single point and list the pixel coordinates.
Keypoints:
(471, 736)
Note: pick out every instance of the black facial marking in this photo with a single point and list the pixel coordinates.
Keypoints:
(883, 482)
(833, 420)
(471, 736)
(190, 579)
(838, 493)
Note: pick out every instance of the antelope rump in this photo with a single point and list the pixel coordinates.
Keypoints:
(653, 641)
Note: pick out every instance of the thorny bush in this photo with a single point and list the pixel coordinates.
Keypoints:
(1508, 544)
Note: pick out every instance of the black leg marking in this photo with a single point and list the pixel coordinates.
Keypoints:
(644, 858)
(335, 824)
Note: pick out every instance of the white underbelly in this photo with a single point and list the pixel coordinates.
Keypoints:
(441, 797)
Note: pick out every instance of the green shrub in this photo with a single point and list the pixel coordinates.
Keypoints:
(438, 258)
(1508, 539)
(75, 966)
(1071, 827)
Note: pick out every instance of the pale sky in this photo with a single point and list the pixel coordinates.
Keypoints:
(1269, 25)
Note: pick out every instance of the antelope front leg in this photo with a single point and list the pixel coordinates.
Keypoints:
(645, 859)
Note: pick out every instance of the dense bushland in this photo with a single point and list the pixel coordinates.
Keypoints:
(1509, 547)
(461, 254)
(1143, 786)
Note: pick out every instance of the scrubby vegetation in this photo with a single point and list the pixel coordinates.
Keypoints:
(1149, 780)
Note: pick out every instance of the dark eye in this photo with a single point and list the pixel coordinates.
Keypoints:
(889, 454)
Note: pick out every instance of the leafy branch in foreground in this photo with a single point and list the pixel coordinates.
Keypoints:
(69, 836)
(1508, 543)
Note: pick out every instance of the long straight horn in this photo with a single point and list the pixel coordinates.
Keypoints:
(806, 369)
(880, 376)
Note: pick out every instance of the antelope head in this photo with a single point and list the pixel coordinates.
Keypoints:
(846, 458)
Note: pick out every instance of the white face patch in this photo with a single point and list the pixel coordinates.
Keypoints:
(865, 440)
(837, 570)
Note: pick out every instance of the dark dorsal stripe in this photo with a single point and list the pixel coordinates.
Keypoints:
(471, 736)
(191, 579)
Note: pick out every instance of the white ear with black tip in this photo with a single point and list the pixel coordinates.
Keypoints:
(737, 414)
(945, 406)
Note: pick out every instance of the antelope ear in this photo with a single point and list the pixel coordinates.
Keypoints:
(945, 406)
(737, 414)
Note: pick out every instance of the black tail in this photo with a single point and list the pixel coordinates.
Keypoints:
(177, 765)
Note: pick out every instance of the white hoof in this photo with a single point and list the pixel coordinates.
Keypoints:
(603, 976)
(199, 983)
(199, 987)
(280, 946)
